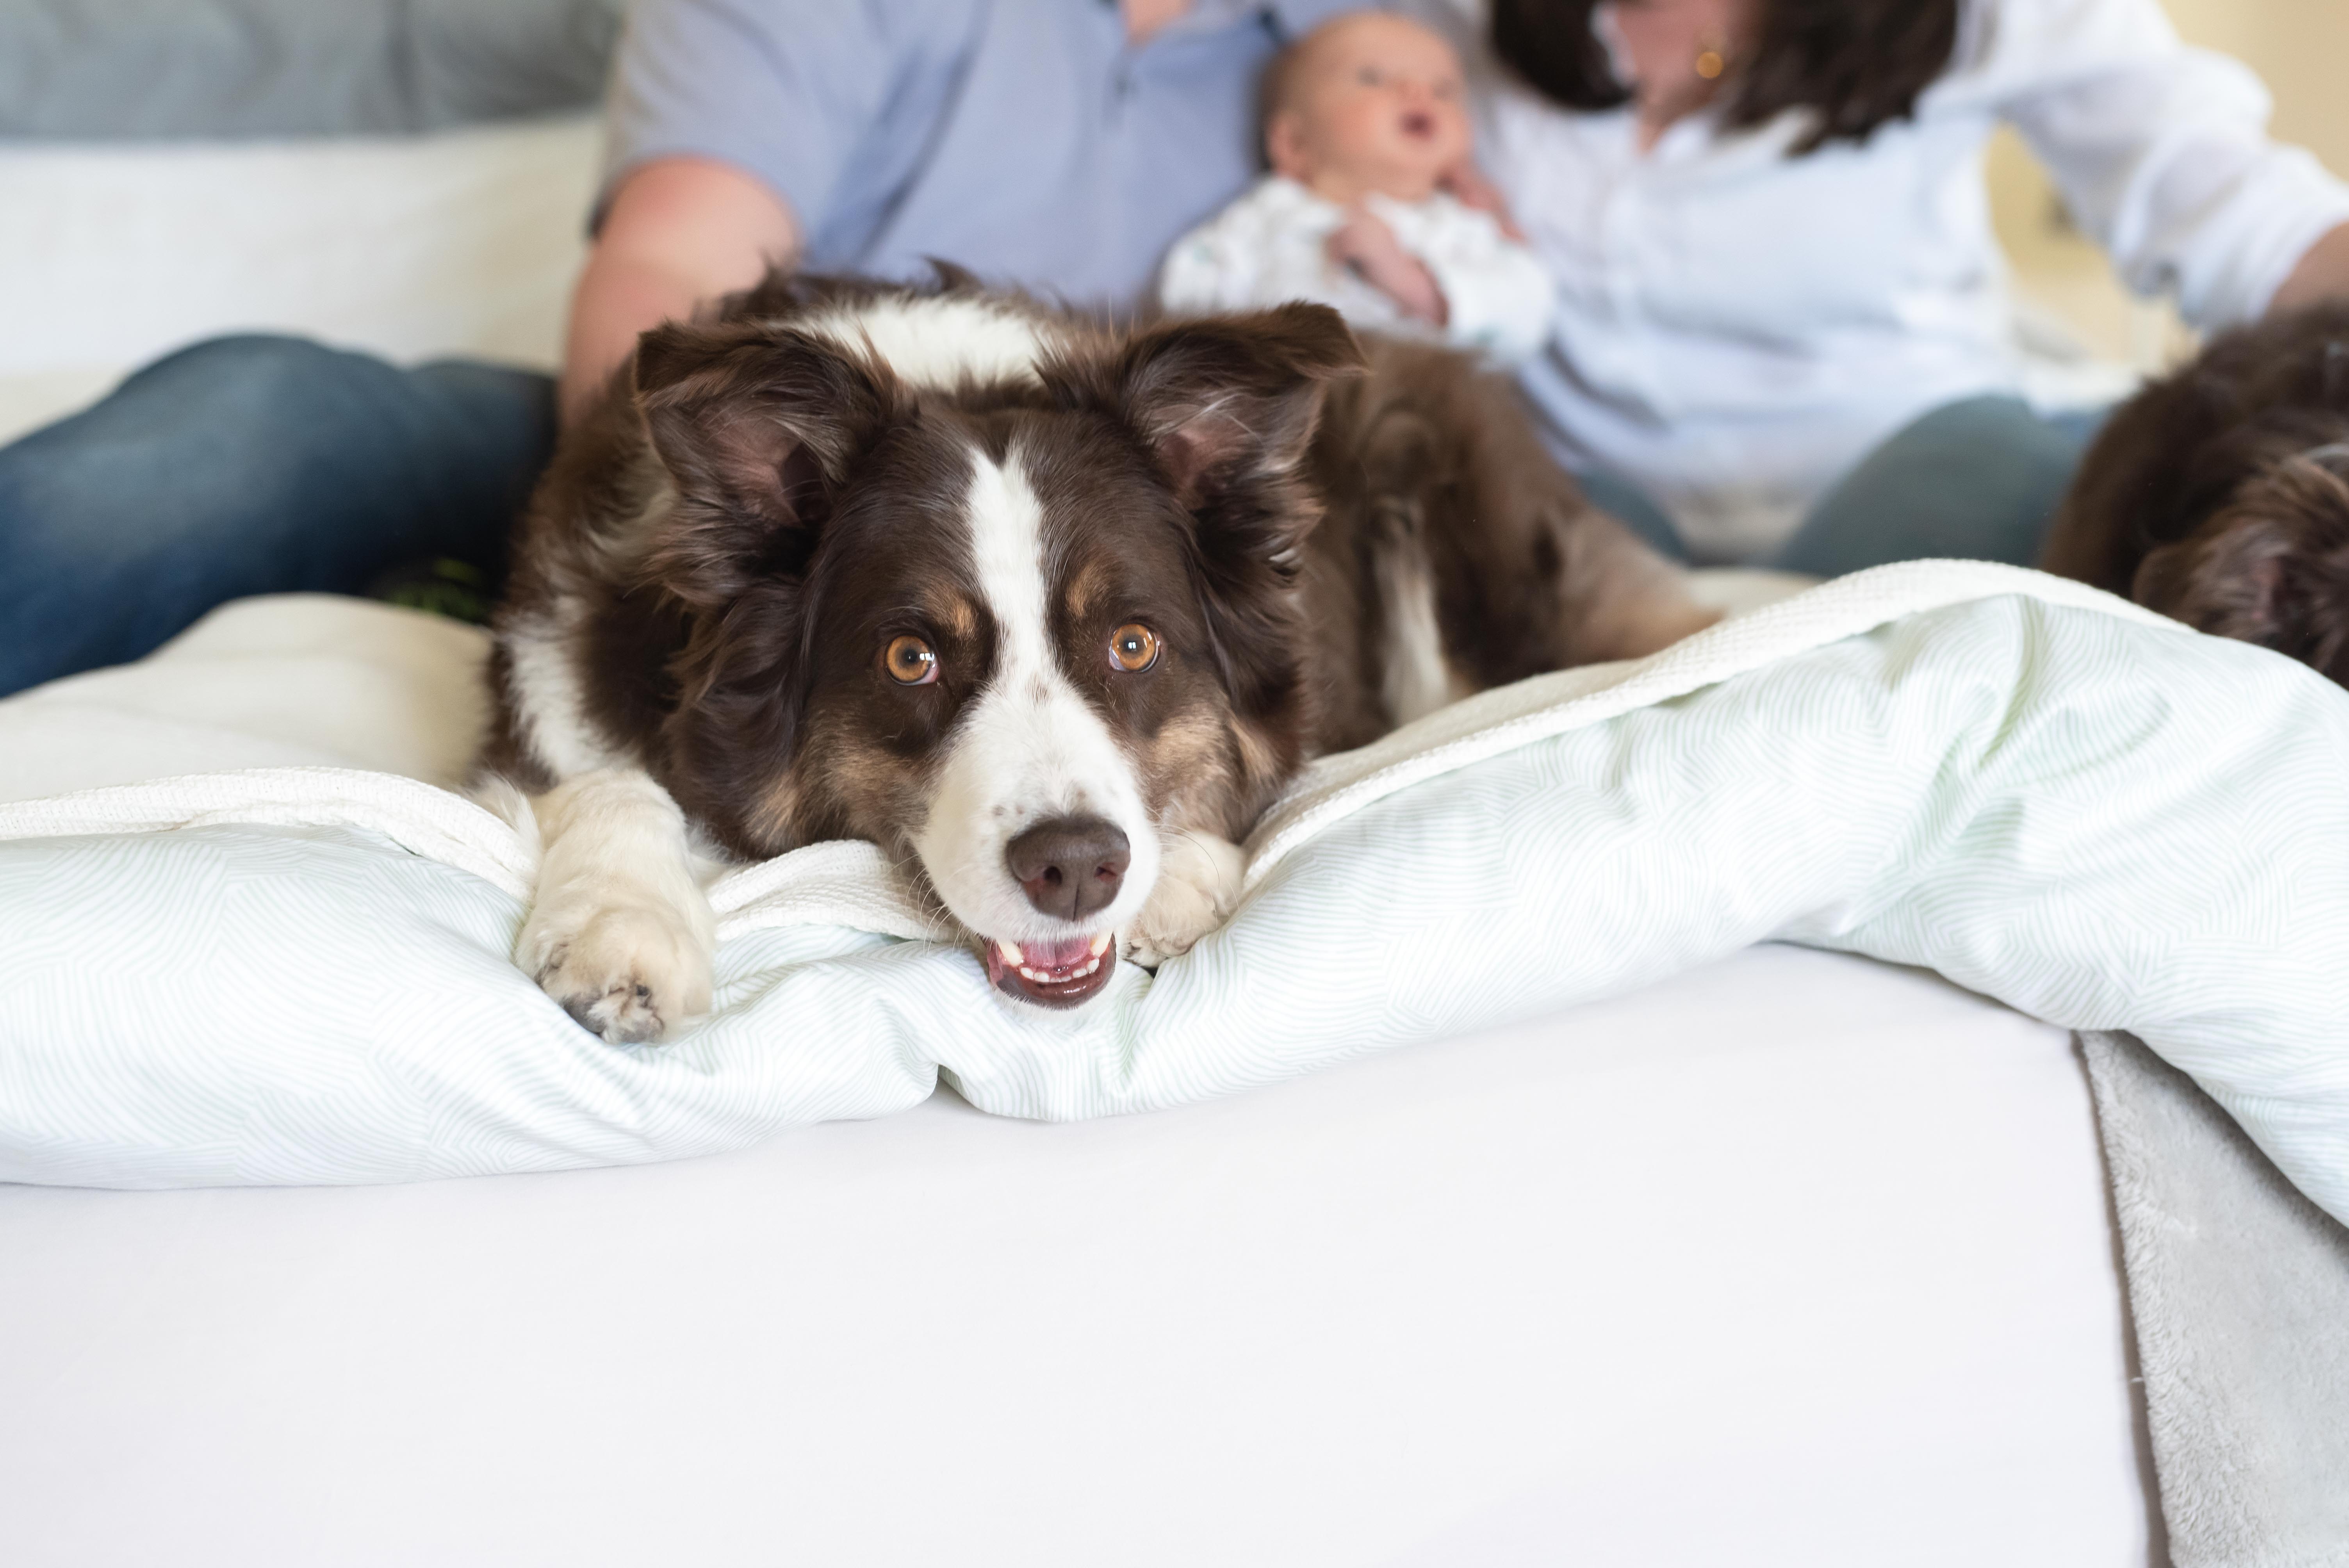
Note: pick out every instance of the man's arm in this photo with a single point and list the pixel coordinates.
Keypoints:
(678, 231)
(2323, 274)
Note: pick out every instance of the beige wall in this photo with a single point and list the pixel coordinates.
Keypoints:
(2299, 46)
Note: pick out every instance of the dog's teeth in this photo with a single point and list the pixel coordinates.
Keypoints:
(1086, 970)
(1100, 943)
(1011, 951)
(1031, 973)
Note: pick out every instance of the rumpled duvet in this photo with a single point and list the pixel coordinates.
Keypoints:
(293, 975)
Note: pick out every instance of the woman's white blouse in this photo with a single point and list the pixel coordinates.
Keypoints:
(1736, 327)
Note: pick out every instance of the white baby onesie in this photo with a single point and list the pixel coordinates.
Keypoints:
(1267, 247)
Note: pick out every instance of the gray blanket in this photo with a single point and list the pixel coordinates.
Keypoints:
(119, 68)
(2239, 1290)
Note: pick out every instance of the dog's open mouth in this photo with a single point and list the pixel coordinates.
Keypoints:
(1051, 974)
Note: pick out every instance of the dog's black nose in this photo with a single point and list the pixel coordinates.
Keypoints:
(1069, 866)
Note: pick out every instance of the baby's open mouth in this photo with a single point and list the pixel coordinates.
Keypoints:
(1051, 974)
(1419, 124)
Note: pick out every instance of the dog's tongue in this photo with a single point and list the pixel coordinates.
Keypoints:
(1052, 958)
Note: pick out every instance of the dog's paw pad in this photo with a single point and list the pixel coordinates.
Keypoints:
(627, 977)
(625, 1014)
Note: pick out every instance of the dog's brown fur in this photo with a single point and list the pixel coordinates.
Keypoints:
(1318, 544)
(1431, 459)
(2220, 495)
(691, 659)
(699, 655)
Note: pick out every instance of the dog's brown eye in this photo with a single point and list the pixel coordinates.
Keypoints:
(1134, 647)
(911, 661)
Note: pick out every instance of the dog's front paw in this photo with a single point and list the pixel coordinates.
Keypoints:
(1199, 882)
(630, 975)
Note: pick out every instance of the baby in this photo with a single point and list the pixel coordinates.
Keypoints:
(1365, 125)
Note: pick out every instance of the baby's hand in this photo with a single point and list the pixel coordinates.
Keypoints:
(1364, 245)
(1467, 184)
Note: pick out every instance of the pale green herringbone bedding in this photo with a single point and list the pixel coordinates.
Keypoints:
(2107, 822)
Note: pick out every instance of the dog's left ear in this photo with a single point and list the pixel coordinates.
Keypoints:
(2270, 567)
(1224, 401)
(2227, 581)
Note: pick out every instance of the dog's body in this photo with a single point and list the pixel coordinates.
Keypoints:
(1050, 611)
(2220, 495)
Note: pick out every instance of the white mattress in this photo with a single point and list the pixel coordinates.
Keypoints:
(1796, 1260)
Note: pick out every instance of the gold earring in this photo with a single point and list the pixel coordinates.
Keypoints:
(1712, 59)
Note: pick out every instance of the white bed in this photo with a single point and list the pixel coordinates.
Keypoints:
(1661, 1280)
(1796, 1259)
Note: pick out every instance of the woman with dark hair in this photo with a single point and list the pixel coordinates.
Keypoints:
(1784, 335)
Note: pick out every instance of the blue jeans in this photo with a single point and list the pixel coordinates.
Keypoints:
(252, 465)
(1978, 479)
(264, 465)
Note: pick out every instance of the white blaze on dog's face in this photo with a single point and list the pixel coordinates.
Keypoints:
(1032, 779)
(1018, 615)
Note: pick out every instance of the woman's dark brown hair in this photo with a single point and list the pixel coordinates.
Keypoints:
(1855, 64)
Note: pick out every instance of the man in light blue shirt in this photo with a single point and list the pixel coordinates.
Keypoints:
(1057, 144)
(1061, 145)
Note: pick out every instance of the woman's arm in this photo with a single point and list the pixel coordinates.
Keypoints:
(2323, 273)
(2162, 154)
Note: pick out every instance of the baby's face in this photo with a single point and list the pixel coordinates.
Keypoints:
(1374, 104)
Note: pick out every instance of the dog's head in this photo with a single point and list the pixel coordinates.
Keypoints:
(1013, 600)
(2271, 565)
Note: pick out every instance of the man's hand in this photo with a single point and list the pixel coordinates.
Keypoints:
(1364, 245)
(678, 231)
(2323, 274)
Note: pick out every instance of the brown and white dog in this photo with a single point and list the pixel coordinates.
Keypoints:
(1050, 611)
(2220, 495)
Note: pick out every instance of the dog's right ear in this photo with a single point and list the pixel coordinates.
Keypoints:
(757, 426)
